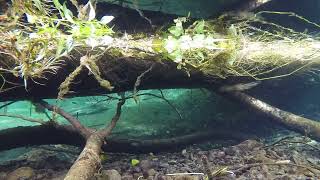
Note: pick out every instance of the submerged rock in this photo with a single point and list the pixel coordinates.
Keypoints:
(21, 173)
(3, 175)
(109, 175)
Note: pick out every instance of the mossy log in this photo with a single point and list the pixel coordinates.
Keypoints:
(122, 72)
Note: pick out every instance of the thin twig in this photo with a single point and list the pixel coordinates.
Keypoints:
(206, 167)
(40, 121)
(181, 174)
(136, 7)
(286, 141)
(7, 104)
(248, 166)
(107, 130)
(166, 100)
(138, 81)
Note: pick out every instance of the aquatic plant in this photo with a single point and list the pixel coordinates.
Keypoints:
(235, 46)
(50, 32)
(223, 47)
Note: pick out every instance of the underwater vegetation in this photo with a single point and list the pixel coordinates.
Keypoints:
(37, 41)
(41, 39)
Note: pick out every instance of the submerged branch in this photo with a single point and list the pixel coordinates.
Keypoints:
(297, 123)
(40, 121)
(89, 162)
(71, 119)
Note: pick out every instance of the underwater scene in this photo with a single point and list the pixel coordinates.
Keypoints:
(159, 89)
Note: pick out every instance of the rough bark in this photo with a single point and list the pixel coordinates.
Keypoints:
(294, 122)
(89, 162)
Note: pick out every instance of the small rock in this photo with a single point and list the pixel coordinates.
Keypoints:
(184, 153)
(137, 175)
(172, 162)
(284, 177)
(202, 153)
(111, 174)
(39, 176)
(3, 175)
(164, 165)
(232, 151)
(151, 172)
(249, 145)
(145, 165)
(21, 173)
(127, 177)
(136, 169)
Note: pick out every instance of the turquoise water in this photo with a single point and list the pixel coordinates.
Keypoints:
(188, 111)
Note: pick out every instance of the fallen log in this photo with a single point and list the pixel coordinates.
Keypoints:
(51, 134)
(121, 72)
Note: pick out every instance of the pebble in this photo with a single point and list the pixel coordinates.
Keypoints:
(145, 165)
(152, 172)
(112, 174)
(3, 175)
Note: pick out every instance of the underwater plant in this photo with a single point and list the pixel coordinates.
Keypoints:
(39, 43)
(39, 36)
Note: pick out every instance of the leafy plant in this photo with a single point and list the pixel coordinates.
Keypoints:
(50, 33)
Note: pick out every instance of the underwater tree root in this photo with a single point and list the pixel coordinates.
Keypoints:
(294, 122)
(89, 162)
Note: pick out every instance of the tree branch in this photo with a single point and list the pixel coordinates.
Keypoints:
(85, 132)
(107, 130)
(290, 120)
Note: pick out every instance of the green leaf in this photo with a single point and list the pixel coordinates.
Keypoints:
(67, 13)
(176, 30)
(57, 4)
(134, 162)
(61, 46)
(199, 28)
(176, 56)
(38, 4)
